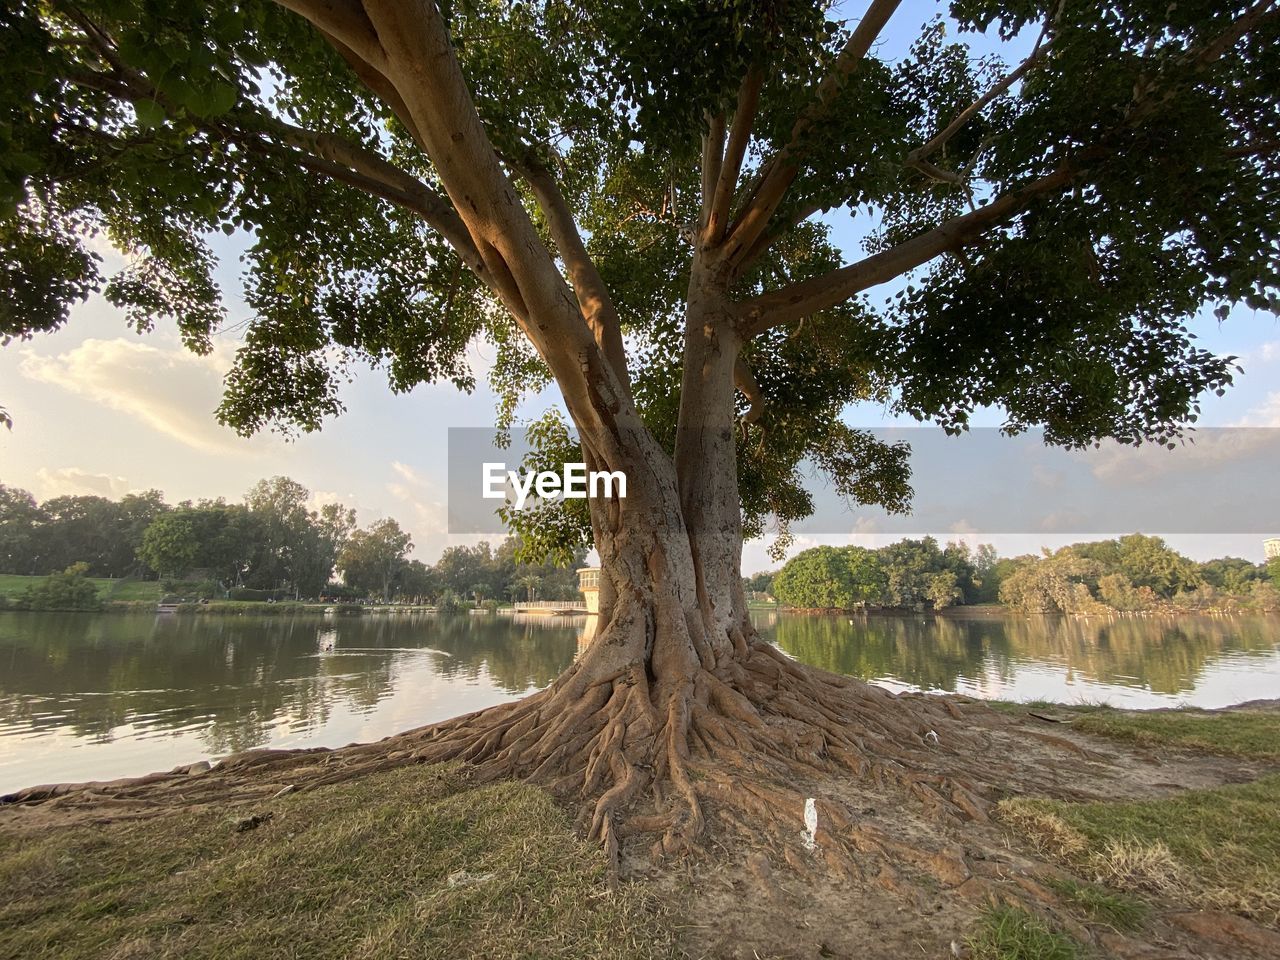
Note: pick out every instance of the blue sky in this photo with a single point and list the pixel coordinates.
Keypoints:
(99, 409)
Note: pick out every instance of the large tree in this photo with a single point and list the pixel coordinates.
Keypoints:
(372, 559)
(629, 200)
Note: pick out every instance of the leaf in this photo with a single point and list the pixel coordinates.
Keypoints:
(149, 113)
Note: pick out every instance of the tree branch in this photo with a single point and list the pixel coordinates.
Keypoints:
(345, 21)
(744, 117)
(745, 381)
(424, 69)
(799, 300)
(712, 164)
(915, 157)
(784, 166)
(363, 168)
(377, 82)
(1260, 148)
(593, 296)
(325, 153)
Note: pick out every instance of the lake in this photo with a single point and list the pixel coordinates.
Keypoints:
(100, 696)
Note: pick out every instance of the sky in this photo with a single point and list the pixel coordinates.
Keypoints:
(99, 409)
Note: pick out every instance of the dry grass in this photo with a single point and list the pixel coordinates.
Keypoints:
(408, 863)
(1213, 848)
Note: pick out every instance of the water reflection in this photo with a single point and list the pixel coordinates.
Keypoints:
(1129, 661)
(85, 696)
(101, 696)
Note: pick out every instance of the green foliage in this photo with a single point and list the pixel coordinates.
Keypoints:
(1134, 573)
(1119, 593)
(372, 558)
(903, 574)
(1264, 597)
(69, 590)
(1144, 561)
(64, 530)
(448, 602)
(821, 578)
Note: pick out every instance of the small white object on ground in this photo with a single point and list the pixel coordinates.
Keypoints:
(810, 823)
(931, 737)
(465, 878)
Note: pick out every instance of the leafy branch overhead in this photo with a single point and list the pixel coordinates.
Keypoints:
(1052, 222)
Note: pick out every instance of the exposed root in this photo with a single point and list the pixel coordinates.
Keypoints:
(734, 739)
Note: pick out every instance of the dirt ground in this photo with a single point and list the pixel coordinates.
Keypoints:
(890, 881)
(919, 885)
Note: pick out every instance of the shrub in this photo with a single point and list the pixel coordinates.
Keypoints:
(448, 602)
(69, 590)
(245, 593)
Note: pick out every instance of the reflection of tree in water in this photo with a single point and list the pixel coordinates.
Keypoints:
(1166, 655)
(928, 652)
(231, 678)
(234, 680)
(517, 653)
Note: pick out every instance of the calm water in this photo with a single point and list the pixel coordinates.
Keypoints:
(86, 696)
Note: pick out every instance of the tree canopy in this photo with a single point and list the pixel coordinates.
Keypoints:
(1059, 213)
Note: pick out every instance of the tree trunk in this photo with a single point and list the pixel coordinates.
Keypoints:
(676, 703)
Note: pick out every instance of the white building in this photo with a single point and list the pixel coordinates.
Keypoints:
(589, 584)
(1271, 548)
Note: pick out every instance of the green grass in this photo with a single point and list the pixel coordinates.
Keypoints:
(411, 862)
(1238, 733)
(1233, 733)
(1117, 910)
(13, 585)
(129, 589)
(1215, 848)
(1011, 933)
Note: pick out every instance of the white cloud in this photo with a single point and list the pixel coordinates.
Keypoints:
(407, 473)
(1046, 477)
(1062, 520)
(171, 390)
(428, 519)
(1207, 450)
(1263, 353)
(72, 481)
(1267, 415)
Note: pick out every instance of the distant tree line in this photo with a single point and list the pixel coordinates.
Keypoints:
(272, 545)
(910, 573)
(1132, 573)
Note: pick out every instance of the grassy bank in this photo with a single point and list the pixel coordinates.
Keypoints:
(13, 585)
(1217, 849)
(408, 863)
